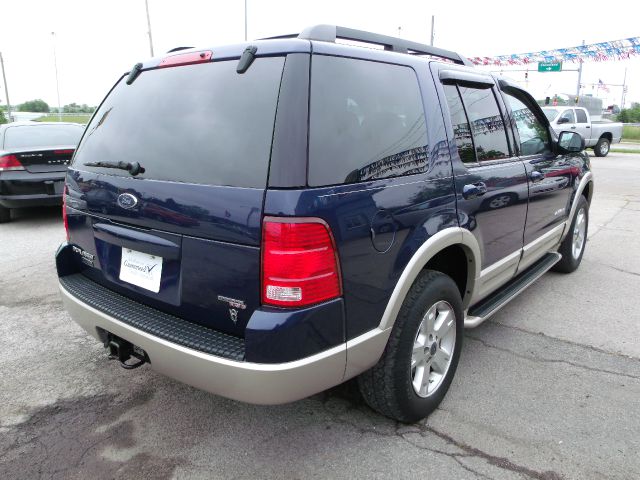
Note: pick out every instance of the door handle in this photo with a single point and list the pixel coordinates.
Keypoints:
(473, 190)
(573, 128)
(536, 176)
(588, 126)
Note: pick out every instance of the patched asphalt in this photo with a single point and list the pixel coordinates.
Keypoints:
(549, 388)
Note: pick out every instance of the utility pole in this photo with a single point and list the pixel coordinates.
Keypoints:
(579, 76)
(55, 65)
(624, 88)
(245, 20)
(433, 21)
(6, 90)
(399, 32)
(146, 6)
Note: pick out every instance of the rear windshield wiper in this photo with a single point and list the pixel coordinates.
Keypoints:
(134, 168)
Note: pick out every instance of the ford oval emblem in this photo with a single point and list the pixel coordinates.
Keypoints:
(126, 200)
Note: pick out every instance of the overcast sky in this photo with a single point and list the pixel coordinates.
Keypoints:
(97, 40)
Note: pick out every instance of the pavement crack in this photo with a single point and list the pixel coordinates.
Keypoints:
(534, 358)
(613, 217)
(500, 462)
(465, 451)
(622, 270)
(562, 340)
(454, 456)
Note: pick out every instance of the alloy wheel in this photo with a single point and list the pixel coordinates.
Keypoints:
(433, 348)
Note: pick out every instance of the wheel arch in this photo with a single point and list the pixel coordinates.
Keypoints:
(445, 242)
(585, 187)
(365, 351)
(608, 136)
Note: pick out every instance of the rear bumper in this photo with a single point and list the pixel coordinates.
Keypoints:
(20, 201)
(245, 381)
(24, 189)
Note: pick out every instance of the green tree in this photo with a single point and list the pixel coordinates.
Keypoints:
(75, 108)
(630, 115)
(37, 105)
(3, 119)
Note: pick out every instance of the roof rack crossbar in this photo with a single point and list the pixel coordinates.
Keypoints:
(329, 33)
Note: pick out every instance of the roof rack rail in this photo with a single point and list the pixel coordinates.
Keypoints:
(329, 33)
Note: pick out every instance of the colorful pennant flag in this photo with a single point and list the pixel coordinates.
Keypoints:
(599, 52)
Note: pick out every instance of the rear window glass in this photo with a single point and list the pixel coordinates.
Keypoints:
(195, 124)
(42, 135)
(366, 121)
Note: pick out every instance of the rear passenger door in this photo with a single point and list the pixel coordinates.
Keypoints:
(491, 183)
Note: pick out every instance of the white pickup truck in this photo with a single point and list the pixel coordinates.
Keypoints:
(597, 135)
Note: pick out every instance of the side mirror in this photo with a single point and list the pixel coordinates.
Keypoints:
(570, 142)
(563, 120)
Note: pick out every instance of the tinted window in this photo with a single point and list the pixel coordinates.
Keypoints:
(366, 121)
(487, 127)
(582, 116)
(199, 124)
(42, 135)
(461, 129)
(534, 137)
(567, 117)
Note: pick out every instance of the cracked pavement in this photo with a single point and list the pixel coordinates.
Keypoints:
(549, 388)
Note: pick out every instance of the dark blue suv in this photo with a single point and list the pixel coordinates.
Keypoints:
(267, 220)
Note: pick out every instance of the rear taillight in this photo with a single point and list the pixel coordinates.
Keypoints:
(65, 221)
(10, 162)
(63, 152)
(299, 263)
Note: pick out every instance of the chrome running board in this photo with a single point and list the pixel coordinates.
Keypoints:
(498, 299)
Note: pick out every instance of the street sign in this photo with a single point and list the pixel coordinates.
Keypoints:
(549, 66)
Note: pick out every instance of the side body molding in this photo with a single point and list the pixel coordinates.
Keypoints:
(364, 351)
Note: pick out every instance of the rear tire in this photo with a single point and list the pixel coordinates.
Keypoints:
(602, 147)
(573, 245)
(5, 214)
(420, 359)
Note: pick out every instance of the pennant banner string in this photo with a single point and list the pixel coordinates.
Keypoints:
(597, 52)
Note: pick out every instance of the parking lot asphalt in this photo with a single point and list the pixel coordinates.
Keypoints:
(548, 388)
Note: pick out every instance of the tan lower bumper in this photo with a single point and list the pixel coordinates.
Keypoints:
(248, 382)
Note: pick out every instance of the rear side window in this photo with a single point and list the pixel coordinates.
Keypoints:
(582, 116)
(196, 124)
(42, 135)
(366, 121)
(487, 126)
(484, 120)
(461, 129)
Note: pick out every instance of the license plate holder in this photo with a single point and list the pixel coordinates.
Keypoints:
(141, 269)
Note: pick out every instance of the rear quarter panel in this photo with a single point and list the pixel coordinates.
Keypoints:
(402, 212)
